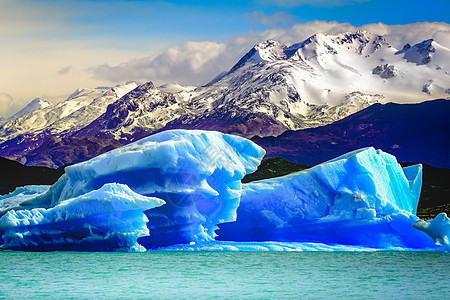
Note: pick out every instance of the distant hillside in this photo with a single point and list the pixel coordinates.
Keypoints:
(412, 132)
(14, 174)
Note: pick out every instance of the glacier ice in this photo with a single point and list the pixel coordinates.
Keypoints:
(180, 186)
(438, 229)
(360, 198)
(197, 173)
(19, 195)
(108, 219)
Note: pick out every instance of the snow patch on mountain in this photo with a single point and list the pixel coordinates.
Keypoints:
(175, 88)
(34, 105)
(122, 90)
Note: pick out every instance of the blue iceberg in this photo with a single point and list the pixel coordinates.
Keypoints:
(182, 189)
(20, 195)
(361, 198)
(438, 229)
(197, 173)
(108, 219)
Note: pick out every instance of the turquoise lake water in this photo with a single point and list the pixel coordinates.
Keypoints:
(204, 275)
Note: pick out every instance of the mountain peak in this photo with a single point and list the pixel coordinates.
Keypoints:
(148, 85)
(122, 90)
(322, 45)
(361, 41)
(268, 44)
(34, 105)
(269, 50)
(74, 94)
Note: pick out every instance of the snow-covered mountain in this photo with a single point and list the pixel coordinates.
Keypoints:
(273, 88)
(77, 111)
(305, 84)
(21, 136)
(142, 111)
(34, 105)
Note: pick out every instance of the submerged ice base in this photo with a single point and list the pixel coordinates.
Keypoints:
(361, 198)
(219, 246)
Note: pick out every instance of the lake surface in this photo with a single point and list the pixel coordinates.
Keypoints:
(204, 275)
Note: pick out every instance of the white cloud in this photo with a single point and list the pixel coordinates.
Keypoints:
(5, 103)
(64, 70)
(196, 63)
(191, 63)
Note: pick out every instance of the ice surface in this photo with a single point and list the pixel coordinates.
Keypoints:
(414, 176)
(20, 195)
(108, 219)
(438, 229)
(196, 172)
(361, 198)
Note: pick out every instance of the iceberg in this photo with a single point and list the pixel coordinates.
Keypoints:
(197, 173)
(361, 198)
(108, 219)
(182, 190)
(438, 229)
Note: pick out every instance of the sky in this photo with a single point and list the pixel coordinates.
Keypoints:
(49, 48)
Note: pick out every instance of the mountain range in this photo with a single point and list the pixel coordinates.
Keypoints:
(273, 90)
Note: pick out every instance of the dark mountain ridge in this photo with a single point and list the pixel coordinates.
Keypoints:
(14, 174)
(412, 132)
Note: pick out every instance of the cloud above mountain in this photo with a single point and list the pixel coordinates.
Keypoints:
(196, 63)
(5, 102)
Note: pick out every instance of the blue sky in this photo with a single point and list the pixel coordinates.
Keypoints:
(178, 21)
(49, 47)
